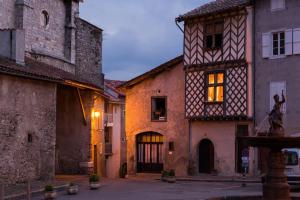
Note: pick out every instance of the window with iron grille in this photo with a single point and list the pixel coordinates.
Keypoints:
(278, 43)
(215, 87)
(213, 35)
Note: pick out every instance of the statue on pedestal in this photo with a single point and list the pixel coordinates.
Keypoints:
(276, 117)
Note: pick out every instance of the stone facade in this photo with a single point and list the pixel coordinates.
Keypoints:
(7, 14)
(28, 126)
(170, 84)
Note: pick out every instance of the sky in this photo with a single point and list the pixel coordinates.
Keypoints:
(138, 34)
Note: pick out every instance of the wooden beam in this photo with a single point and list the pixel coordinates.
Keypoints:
(82, 107)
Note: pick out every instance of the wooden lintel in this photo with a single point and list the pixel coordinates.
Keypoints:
(82, 107)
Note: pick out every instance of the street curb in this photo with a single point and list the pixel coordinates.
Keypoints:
(215, 181)
(33, 193)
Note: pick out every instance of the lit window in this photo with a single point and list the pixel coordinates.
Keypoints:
(159, 111)
(278, 43)
(215, 88)
(213, 35)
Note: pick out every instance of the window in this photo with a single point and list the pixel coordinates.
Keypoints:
(158, 109)
(278, 43)
(213, 35)
(277, 5)
(215, 87)
(44, 19)
(291, 158)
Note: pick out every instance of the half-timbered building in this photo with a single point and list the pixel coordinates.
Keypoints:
(218, 85)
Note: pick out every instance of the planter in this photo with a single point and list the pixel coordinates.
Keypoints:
(72, 190)
(50, 195)
(94, 185)
(171, 179)
(163, 179)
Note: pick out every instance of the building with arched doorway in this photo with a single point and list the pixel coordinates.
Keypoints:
(156, 128)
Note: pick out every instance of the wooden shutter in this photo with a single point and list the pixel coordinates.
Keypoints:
(296, 41)
(289, 42)
(276, 88)
(266, 45)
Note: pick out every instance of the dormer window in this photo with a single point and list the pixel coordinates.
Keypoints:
(213, 35)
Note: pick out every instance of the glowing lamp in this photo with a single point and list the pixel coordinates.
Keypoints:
(97, 114)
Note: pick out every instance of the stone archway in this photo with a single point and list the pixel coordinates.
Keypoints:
(206, 156)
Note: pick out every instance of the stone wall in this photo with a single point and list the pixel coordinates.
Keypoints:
(27, 129)
(138, 118)
(89, 52)
(7, 10)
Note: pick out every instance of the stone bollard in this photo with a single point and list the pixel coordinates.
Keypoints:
(1, 191)
(28, 190)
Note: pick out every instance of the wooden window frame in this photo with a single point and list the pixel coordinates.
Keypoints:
(166, 110)
(278, 43)
(213, 35)
(215, 85)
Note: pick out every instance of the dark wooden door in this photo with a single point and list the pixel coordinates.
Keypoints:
(206, 156)
(149, 152)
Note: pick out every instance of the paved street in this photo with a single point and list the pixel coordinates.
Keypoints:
(155, 190)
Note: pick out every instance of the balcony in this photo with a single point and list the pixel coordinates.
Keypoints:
(108, 149)
(108, 120)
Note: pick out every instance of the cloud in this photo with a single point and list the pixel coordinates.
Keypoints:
(138, 34)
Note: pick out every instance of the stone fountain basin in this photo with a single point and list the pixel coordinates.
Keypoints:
(271, 142)
(245, 198)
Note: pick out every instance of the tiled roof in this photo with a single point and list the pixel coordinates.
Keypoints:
(40, 71)
(113, 84)
(213, 7)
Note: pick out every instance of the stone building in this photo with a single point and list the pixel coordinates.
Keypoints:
(277, 58)
(51, 91)
(218, 65)
(156, 128)
(114, 129)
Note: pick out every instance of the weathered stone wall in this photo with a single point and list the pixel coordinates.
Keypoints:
(27, 109)
(89, 52)
(138, 118)
(7, 10)
(73, 143)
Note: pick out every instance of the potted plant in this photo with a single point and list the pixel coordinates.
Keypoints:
(164, 176)
(171, 177)
(72, 189)
(94, 182)
(49, 192)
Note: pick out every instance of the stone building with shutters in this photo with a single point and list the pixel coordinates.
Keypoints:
(51, 91)
(277, 58)
(218, 64)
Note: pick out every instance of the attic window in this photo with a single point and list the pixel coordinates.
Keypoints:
(45, 19)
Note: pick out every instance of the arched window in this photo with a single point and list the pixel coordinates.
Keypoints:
(45, 18)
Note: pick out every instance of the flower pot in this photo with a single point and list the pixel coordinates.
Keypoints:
(171, 179)
(50, 195)
(94, 185)
(163, 179)
(72, 189)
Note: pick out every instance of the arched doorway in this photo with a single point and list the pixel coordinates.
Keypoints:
(206, 156)
(149, 147)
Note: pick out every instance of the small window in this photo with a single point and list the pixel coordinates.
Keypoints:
(213, 35)
(291, 158)
(44, 18)
(278, 45)
(215, 87)
(171, 146)
(277, 5)
(158, 110)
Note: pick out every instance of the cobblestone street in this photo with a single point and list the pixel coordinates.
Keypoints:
(126, 189)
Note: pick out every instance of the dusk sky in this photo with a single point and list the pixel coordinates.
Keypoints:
(138, 34)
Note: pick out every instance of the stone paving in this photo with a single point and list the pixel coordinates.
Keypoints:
(131, 189)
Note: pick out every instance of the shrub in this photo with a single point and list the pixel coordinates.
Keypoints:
(172, 172)
(49, 188)
(123, 170)
(164, 174)
(94, 178)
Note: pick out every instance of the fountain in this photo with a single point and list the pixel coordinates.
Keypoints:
(275, 186)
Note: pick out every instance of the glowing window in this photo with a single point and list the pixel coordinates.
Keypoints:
(215, 87)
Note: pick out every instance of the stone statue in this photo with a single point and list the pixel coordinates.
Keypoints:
(276, 117)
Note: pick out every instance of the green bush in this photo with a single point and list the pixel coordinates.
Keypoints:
(123, 170)
(94, 178)
(49, 188)
(164, 174)
(172, 172)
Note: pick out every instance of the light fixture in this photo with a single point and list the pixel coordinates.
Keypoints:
(97, 114)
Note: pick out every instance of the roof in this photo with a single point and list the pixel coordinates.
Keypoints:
(41, 71)
(157, 70)
(214, 7)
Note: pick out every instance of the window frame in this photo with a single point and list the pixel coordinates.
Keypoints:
(277, 9)
(278, 33)
(166, 110)
(213, 34)
(215, 85)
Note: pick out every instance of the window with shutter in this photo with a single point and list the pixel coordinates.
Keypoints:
(277, 5)
(266, 41)
(289, 42)
(296, 41)
(278, 44)
(277, 87)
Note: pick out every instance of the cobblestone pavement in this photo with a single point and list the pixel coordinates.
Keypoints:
(132, 189)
